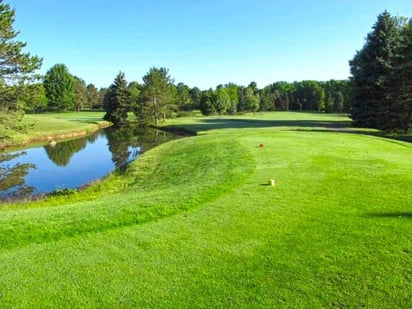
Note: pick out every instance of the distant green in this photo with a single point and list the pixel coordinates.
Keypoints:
(193, 223)
(51, 124)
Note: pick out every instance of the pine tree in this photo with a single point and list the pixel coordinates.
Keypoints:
(15, 68)
(157, 97)
(399, 111)
(371, 69)
(118, 101)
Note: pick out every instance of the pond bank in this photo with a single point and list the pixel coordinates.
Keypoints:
(48, 138)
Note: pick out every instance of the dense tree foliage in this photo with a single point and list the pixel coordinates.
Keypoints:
(94, 99)
(330, 96)
(251, 99)
(221, 100)
(157, 97)
(381, 76)
(134, 89)
(207, 106)
(399, 113)
(195, 97)
(34, 98)
(183, 97)
(16, 69)
(118, 101)
(59, 85)
(80, 94)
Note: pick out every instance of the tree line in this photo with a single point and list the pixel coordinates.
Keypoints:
(158, 97)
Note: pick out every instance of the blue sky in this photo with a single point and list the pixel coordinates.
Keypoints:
(203, 43)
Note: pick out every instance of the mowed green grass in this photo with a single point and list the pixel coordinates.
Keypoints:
(193, 223)
(51, 124)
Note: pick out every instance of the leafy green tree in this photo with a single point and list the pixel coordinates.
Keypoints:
(135, 89)
(267, 99)
(233, 92)
(310, 95)
(196, 96)
(183, 98)
(251, 100)
(34, 97)
(371, 70)
(118, 101)
(157, 97)
(80, 94)
(241, 106)
(338, 102)
(16, 68)
(59, 85)
(277, 96)
(93, 97)
(221, 100)
(207, 106)
(254, 87)
(102, 94)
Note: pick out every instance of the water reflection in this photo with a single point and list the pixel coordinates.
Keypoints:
(12, 182)
(73, 163)
(125, 143)
(61, 153)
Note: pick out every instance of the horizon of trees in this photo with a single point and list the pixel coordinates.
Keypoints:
(328, 96)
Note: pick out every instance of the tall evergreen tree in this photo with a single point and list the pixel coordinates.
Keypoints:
(371, 69)
(157, 97)
(16, 67)
(118, 101)
(398, 114)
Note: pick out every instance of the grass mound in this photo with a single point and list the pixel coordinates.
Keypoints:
(173, 177)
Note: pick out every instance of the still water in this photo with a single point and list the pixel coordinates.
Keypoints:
(74, 163)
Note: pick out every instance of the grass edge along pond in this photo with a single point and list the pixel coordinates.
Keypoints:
(197, 225)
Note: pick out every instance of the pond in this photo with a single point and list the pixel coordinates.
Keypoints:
(74, 163)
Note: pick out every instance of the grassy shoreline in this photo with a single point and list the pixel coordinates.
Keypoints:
(43, 128)
(193, 223)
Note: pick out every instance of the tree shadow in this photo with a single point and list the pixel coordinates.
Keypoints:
(84, 120)
(339, 126)
(398, 214)
(233, 123)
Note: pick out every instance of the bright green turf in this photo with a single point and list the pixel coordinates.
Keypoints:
(50, 124)
(194, 224)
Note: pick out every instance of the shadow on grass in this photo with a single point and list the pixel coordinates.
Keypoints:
(339, 126)
(399, 214)
(84, 120)
(230, 123)
(353, 130)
